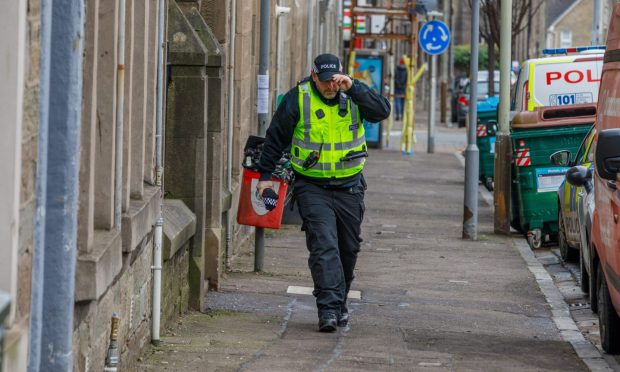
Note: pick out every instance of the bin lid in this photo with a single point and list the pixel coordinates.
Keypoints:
(555, 116)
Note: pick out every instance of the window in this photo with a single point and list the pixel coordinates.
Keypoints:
(566, 39)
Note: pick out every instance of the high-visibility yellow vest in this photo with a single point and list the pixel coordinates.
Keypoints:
(321, 128)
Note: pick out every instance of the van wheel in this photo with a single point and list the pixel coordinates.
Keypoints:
(567, 253)
(585, 278)
(609, 322)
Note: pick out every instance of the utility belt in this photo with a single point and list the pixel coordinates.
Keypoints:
(332, 183)
(326, 183)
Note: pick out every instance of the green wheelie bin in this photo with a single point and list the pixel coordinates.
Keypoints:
(534, 137)
(485, 140)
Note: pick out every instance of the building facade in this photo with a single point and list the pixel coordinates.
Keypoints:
(570, 23)
(80, 113)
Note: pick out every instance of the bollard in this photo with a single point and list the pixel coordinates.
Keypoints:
(501, 191)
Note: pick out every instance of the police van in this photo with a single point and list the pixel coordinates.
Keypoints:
(561, 78)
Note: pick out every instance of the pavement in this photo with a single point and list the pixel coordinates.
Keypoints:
(430, 301)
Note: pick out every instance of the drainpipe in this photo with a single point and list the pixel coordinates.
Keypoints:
(159, 170)
(231, 105)
(65, 48)
(280, 11)
(120, 107)
(38, 258)
(310, 48)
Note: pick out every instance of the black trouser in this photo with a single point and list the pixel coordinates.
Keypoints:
(332, 220)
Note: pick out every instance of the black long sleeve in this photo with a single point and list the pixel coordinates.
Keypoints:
(279, 134)
(373, 107)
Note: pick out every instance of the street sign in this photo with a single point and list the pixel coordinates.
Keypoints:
(434, 37)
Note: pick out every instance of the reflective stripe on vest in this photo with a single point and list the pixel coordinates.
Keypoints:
(305, 90)
(329, 133)
(348, 145)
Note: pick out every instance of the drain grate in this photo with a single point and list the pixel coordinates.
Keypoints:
(579, 304)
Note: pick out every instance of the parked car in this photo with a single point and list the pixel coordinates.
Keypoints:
(572, 226)
(604, 277)
(457, 90)
(553, 80)
(483, 97)
(460, 106)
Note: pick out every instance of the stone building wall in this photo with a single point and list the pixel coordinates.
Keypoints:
(578, 21)
(114, 268)
(114, 262)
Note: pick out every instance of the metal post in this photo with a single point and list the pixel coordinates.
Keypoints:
(61, 206)
(470, 213)
(430, 145)
(451, 48)
(501, 193)
(504, 65)
(596, 23)
(231, 106)
(262, 110)
(444, 67)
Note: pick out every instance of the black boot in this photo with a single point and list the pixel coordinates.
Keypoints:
(343, 318)
(328, 322)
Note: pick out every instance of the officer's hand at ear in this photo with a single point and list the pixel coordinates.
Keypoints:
(344, 82)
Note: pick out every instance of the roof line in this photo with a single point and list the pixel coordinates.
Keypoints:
(564, 14)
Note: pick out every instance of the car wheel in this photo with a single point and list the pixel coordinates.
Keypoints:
(609, 322)
(585, 278)
(567, 253)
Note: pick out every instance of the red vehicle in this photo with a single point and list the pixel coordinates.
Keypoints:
(604, 279)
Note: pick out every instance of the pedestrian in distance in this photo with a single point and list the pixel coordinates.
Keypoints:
(400, 88)
(321, 119)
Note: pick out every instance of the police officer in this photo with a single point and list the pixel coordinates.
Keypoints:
(321, 119)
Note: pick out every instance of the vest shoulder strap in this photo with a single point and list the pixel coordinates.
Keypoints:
(304, 86)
